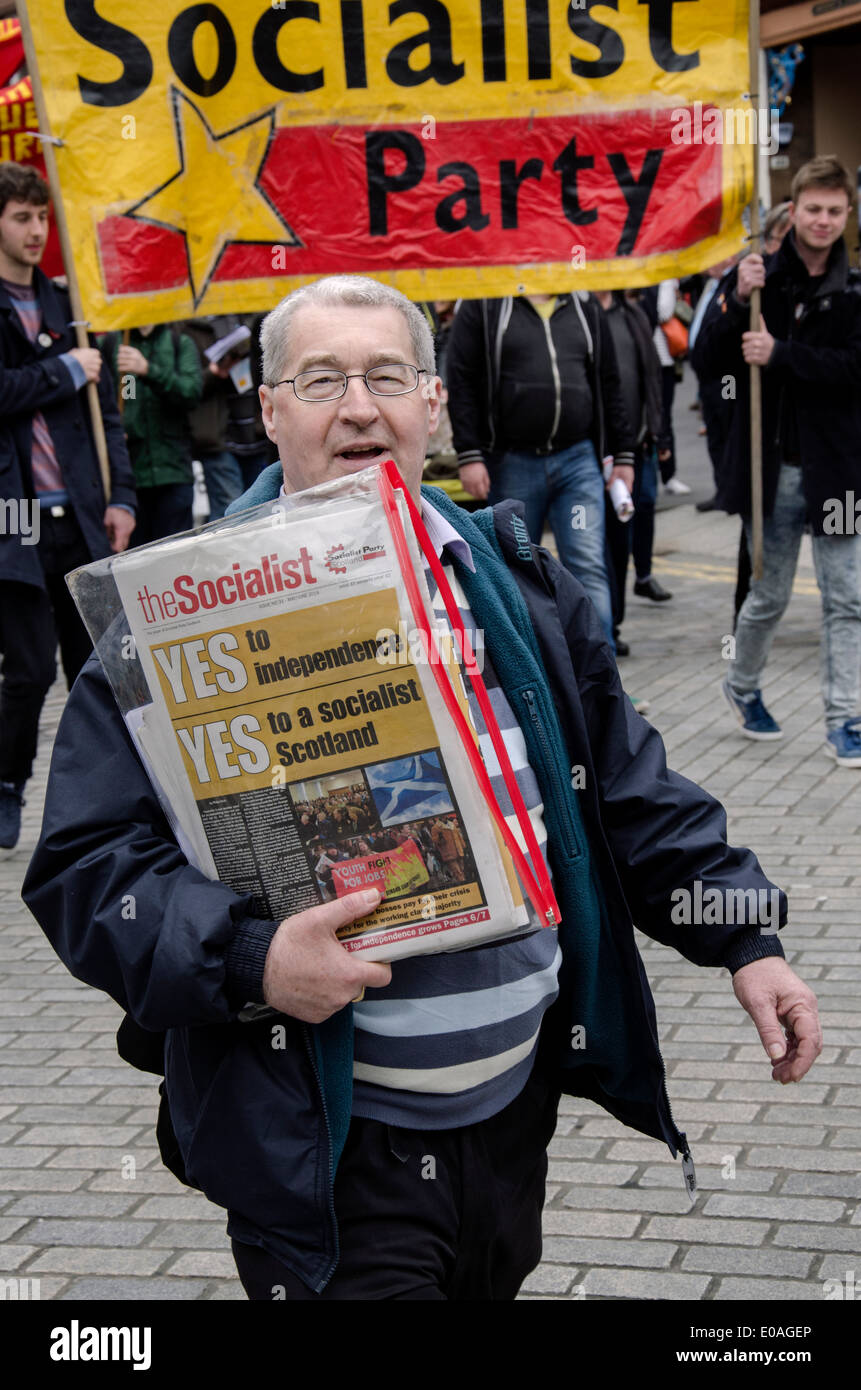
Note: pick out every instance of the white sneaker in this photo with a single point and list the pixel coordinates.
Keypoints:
(677, 487)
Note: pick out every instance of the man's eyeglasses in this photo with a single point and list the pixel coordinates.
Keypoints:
(323, 384)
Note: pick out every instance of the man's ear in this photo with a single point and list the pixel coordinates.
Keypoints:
(267, 403)
(432, 392)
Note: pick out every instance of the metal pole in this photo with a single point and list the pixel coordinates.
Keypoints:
(755, 313)
(65, 245)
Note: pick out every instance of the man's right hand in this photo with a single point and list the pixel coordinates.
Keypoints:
(308, 973)
(90, 359)
(475, 479)
(751, 276)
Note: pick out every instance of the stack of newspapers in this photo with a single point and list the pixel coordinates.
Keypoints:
(294, 732)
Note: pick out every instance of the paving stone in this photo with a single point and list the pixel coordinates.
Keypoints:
(132, 1290)
(832, 1238)
(704, 1230)
(826, 1160)
(101, 1135)
(145, 1180)
(571, 1250)
(74, 1157)
(727, 1259)
(193, 1207)
(208, 1263)
(589, 1223)
(191, 1235)
(92, 1260)
(39, 1180)
(549, 1279)
(72, 1232)
(821, 1184)
(71, 1204)
(783, 1208)
(227, 1291)
(634, 1283)
(767, 1290)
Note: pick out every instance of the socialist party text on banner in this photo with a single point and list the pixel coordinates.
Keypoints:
(215, 156)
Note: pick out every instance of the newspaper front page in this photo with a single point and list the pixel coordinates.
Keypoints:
(303, 746)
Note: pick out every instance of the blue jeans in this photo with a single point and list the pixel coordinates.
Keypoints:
(223, 481)
(567, 489)
(837, 560)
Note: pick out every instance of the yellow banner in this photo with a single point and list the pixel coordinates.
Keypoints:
(216, 155)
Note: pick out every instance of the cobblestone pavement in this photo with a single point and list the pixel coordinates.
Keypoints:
(87, 1209)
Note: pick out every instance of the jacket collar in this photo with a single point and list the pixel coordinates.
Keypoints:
(54, 319)
(788, 262)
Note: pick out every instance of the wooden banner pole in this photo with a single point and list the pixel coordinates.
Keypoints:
(65, 243)
(755, 312)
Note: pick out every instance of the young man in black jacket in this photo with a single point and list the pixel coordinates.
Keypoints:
(536, 407)
(51, 473)
(809, 349)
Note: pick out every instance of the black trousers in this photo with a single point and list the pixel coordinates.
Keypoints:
(31, 623)
(431, 1214)
(162, 511)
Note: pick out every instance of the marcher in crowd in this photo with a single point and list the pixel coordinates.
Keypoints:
(536, 406)
(226, 427)
(158, 378)
(640, 377)
(51, 473)
(809, 350)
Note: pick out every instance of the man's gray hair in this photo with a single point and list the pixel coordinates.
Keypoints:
(334, 290)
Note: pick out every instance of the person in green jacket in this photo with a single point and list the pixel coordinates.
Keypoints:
(159, 381)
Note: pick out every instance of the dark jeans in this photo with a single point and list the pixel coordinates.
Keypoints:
(636, 535)
(31, 622)
(162, 511)
(431, 1214)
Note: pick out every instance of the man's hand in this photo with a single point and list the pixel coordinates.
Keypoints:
(475, 479)
(308, 973)
(131, 359)
(785, 1013)
(90, 359)
(623, 471)
(757, 347)
(118, 524)
(751, 276)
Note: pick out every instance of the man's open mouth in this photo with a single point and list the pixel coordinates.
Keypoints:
(366, 452)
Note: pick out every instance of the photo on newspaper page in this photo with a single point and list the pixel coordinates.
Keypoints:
(301, 750)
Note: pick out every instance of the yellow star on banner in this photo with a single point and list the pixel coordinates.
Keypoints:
(214, 199)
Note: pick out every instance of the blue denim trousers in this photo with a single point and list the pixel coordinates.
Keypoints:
(568, 490)
(223, 481)
(837, 560)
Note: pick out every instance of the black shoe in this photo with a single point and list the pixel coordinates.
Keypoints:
(710, 505)
(622, 648)
(650, 588)
(11, 802)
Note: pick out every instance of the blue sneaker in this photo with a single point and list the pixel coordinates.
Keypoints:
(844, 744)
(11, 802)
(754, 718)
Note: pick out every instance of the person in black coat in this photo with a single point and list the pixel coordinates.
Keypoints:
(536, 407)
(809, 350)
(50, 478)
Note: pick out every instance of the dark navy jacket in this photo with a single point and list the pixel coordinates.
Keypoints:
(256, 1124)
(32, 379)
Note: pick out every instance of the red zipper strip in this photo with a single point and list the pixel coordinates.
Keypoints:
(540, 893)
